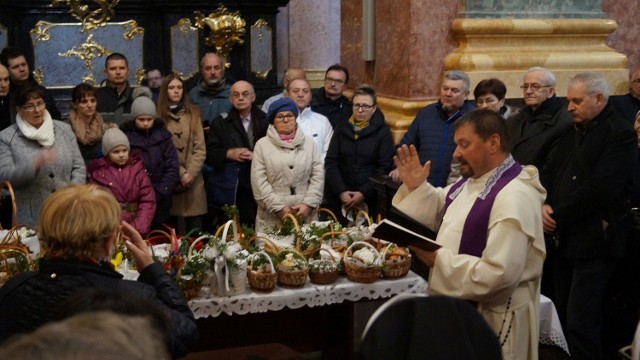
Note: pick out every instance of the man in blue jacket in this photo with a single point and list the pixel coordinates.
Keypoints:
(432, 130)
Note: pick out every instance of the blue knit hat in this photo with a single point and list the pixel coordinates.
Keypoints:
(280, 105)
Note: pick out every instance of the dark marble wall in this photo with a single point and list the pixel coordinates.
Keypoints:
(526, 9)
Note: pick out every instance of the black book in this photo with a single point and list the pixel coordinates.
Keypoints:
(391, 231)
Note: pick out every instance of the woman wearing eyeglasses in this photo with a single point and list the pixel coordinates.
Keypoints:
(490, 94)
(360, 148)
(39, 154)
(287, 174)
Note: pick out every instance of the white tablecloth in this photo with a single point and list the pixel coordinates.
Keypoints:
(550, 328)
(310, 295)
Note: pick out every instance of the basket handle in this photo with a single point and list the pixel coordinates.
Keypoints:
(329, 212)
(376, 262)
(224, 229)
(268, 243)
(362, 213)
(12, 237)
(296, 225)
(14, 210)
(322, 249)
(193, 244)
(261, 254)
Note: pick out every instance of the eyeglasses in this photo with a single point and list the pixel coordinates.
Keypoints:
(285, 116)
(32, 107)
(487, 101)
(534, 87)
(244, 94)
(364, 107)
(332, 80)
(636, 81)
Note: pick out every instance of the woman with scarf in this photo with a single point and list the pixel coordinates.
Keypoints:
(39, 154)
(286, 169)
(86, 122)
(183, 122)
(359, 149)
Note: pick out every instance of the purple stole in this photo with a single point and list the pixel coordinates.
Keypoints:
(474, 232)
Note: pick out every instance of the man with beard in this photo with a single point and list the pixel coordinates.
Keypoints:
(628, 105)
(432, 130)
(211, 95)
(15, 60)
(490, 228)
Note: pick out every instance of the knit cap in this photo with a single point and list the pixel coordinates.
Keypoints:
(112, 138)
(280, 105)
(143, 105)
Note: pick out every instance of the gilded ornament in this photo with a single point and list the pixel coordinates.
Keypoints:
(89, 79)
(38, 75)
(41, 31)
(91, 19)
(140, 75)
(132, 29)
(88, 51)
(226, 30)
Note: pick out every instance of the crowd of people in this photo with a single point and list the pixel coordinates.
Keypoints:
(524, 200)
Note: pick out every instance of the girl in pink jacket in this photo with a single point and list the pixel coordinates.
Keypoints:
(124, 175)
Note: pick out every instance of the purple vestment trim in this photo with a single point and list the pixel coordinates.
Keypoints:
(474, 232)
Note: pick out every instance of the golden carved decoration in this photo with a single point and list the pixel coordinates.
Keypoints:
(88, 51)
(227, 30)
(41, 31)
(38, 75)
(261, 25)
(89, 79)
(91, 19)
(184, 25)
(132, 29)
(140, 75)
(261, 55)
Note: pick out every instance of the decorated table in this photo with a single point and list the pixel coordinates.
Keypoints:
(310, 295)
(308, 319)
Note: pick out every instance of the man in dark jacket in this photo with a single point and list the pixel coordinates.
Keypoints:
(15, 60)
(329, 100)
(432, 129)
(586, 209)
(536, 128)
(229, 151)
(628, 105)
(116, 97)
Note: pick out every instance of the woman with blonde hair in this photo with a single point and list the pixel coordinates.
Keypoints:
(183, 122)
(79, 230)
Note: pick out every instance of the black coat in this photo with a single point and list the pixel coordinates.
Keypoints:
(589, 179)
(350, 163)
(30, 300)
(533, 134)
(338, 111)
(160, 159)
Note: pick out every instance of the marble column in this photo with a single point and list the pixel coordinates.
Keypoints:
(310, 37)
(504, 38)
(418, 40)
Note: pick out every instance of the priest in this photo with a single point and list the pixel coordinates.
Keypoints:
(489, 224)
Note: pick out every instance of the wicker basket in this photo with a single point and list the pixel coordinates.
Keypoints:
(288, 276)
(259, 280)
(174, 262)
(298, 243)
(268, 245)
(356, 271)
(327, 277)
(395, 268)
(14, 256)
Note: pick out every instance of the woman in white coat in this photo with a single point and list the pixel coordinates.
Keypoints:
(287, 173)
